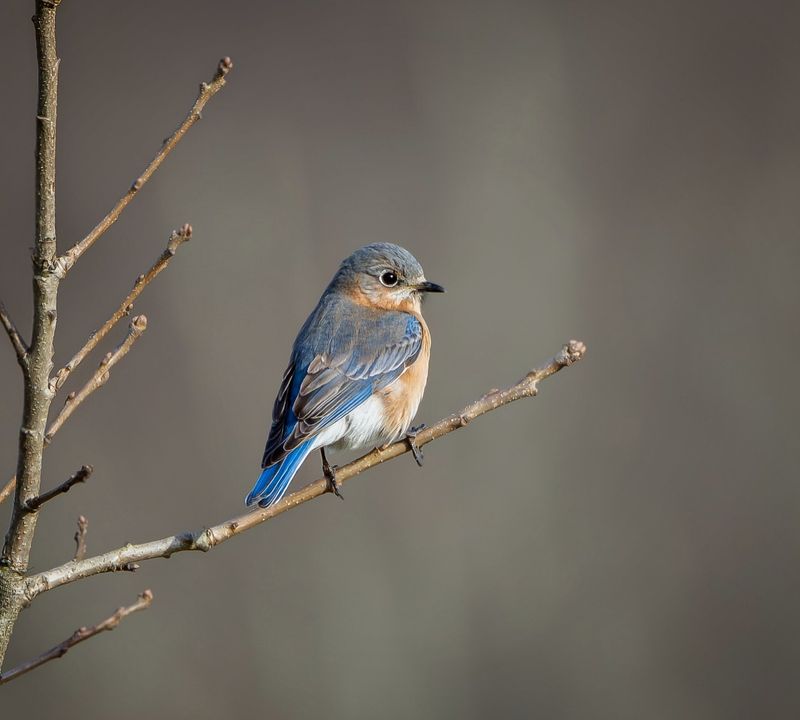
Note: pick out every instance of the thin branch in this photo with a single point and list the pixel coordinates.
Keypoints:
(80, 538)
(81, 634)
(176, 239)
(207, 91)
(137, 327)
(20, 348)
(80, 476)
(209, 538)
(8, 488)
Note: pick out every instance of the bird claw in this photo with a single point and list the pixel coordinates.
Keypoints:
(416, 451)
(330, 475)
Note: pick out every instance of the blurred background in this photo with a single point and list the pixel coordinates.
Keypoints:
(624, 546)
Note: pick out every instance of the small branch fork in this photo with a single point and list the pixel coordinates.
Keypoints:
(207, 91)
(204, 540)
(81, 634)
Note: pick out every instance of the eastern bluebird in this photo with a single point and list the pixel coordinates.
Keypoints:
(357, 371)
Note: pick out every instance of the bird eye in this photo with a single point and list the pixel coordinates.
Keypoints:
(389, 278)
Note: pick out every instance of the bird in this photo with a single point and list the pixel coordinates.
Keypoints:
(357, 371)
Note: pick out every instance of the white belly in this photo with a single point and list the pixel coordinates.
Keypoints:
(363, 427)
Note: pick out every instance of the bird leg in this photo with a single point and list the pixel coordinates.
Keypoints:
(330, 475)
(416, 451)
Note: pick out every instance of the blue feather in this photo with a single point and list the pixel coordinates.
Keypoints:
(273, 481)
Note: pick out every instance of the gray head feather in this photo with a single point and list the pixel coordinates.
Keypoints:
(375, 258)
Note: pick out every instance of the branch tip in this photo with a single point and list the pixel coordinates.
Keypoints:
(139, 324)
(78, 477)
(224, 67)
(571, 353)
(178, 237)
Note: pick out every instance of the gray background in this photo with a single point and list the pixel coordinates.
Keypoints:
(625, 546)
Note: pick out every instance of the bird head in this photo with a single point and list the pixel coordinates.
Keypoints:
(385, 276)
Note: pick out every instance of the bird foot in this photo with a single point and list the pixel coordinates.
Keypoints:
(330, 475)
(416, 451)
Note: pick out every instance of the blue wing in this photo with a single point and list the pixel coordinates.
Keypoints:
(343, 355)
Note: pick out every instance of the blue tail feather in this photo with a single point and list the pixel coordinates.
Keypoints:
(273, 481)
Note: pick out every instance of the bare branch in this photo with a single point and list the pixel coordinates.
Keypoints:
(81, 634)
(80, 538)
(20, 348)
(207, 91)
(137, 327)
(209, 538)
(80, 476)
(176, 239)
(8, 488)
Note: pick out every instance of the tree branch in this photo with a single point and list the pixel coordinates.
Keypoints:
(20, 348)
(37, 395)
(207, 91)
(45, 289)
(136, 328)
(176, 239)
(208, 538)
(81, 634)
(80, 476)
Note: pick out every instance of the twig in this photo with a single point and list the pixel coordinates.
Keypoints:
(81, 634)
(80, 538)
(137, 327)
(78, 477)
(208, 538)
(176, 239)
(207, 91)
(8, 488)
(20, 348)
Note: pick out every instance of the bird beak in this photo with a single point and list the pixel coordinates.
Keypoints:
(429, 287)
